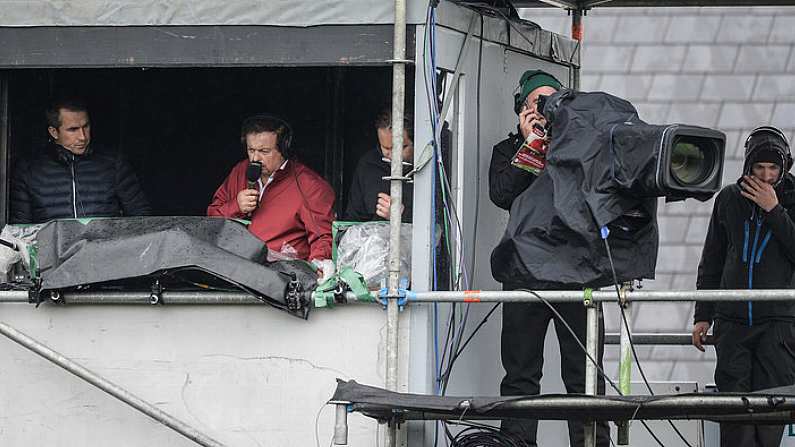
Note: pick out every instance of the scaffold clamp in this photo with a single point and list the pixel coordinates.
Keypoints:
(402, 294)
(588, 297)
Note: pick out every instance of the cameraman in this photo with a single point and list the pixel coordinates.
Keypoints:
(751, 244)
(524, 325)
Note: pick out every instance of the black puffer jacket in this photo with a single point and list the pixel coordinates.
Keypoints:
(506, 182)
(54, 183)
(368, 181)
(747, 248)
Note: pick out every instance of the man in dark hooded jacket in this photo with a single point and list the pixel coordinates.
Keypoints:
(750, 244)
(524, 325)
(369, 195)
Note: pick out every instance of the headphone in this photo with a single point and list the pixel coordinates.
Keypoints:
(283, 131)
(517, 97)
(777, 132)
(284, 139)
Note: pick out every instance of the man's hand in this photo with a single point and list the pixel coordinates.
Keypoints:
(247, 200)
(325, 269)
(700, 334)
(383, 205)
(759, 192)
(528, 119)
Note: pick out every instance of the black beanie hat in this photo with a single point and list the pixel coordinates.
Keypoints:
(767, 144)
(768, 155)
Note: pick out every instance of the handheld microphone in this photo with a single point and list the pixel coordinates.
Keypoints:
(253, 173)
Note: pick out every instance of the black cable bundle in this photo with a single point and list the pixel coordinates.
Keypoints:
(484, 436)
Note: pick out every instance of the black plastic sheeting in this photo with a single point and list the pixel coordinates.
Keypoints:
(768, 406)
(552, 240)
(102, 252)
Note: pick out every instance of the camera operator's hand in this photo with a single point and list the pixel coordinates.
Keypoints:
(526, 121)
(759, 192)
(700, 334)
(529, 118)
(247, 200)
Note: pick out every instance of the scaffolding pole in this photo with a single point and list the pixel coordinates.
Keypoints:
(625, 364)
(465, 296)
(14, 296)
(660, 338)
(592, 310)
(576, 296)
(109, 387)
(396, 203)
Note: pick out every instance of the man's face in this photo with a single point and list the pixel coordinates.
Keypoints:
(532, 99)
(74, 133)
(385, 144)
(262, 147)
(766, 172)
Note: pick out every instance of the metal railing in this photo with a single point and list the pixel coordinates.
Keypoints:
(590, 300)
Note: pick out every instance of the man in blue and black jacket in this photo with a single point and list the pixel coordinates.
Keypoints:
(750, 244)
(70, 177)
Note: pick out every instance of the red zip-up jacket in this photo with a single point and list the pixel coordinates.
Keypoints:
(296, 210)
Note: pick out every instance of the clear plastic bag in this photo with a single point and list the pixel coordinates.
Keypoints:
(365, 249)
(23, 237)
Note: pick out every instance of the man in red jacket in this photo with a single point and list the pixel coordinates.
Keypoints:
(290, 206)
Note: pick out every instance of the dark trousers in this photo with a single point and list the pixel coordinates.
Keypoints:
(524, 327)
(752, 358)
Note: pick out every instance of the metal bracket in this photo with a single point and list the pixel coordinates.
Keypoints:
(354, 282)
(623, 300)
(402, 296)
(588, 297)
(56, 297)
(326, 294)
(294, 296)
(34, 294)
(400, 61)
(400, 177)
(156, 294)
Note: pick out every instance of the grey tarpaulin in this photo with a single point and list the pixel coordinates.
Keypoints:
(201, 12)
(553, 235)
(767, 406)
(176, 21)
(98, 251)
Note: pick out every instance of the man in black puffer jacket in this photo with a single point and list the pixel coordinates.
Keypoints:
(71, 178)
(750, 244)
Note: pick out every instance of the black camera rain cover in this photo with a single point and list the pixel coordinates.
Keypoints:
(553, 235)
(93, 251)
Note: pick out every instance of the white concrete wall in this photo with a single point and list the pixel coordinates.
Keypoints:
(245, 375)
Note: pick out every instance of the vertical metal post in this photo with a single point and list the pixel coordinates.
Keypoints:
(396, 197)
(341, 424)
(576, 34)
(592, 309)
(624, 365)
(4, 155)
